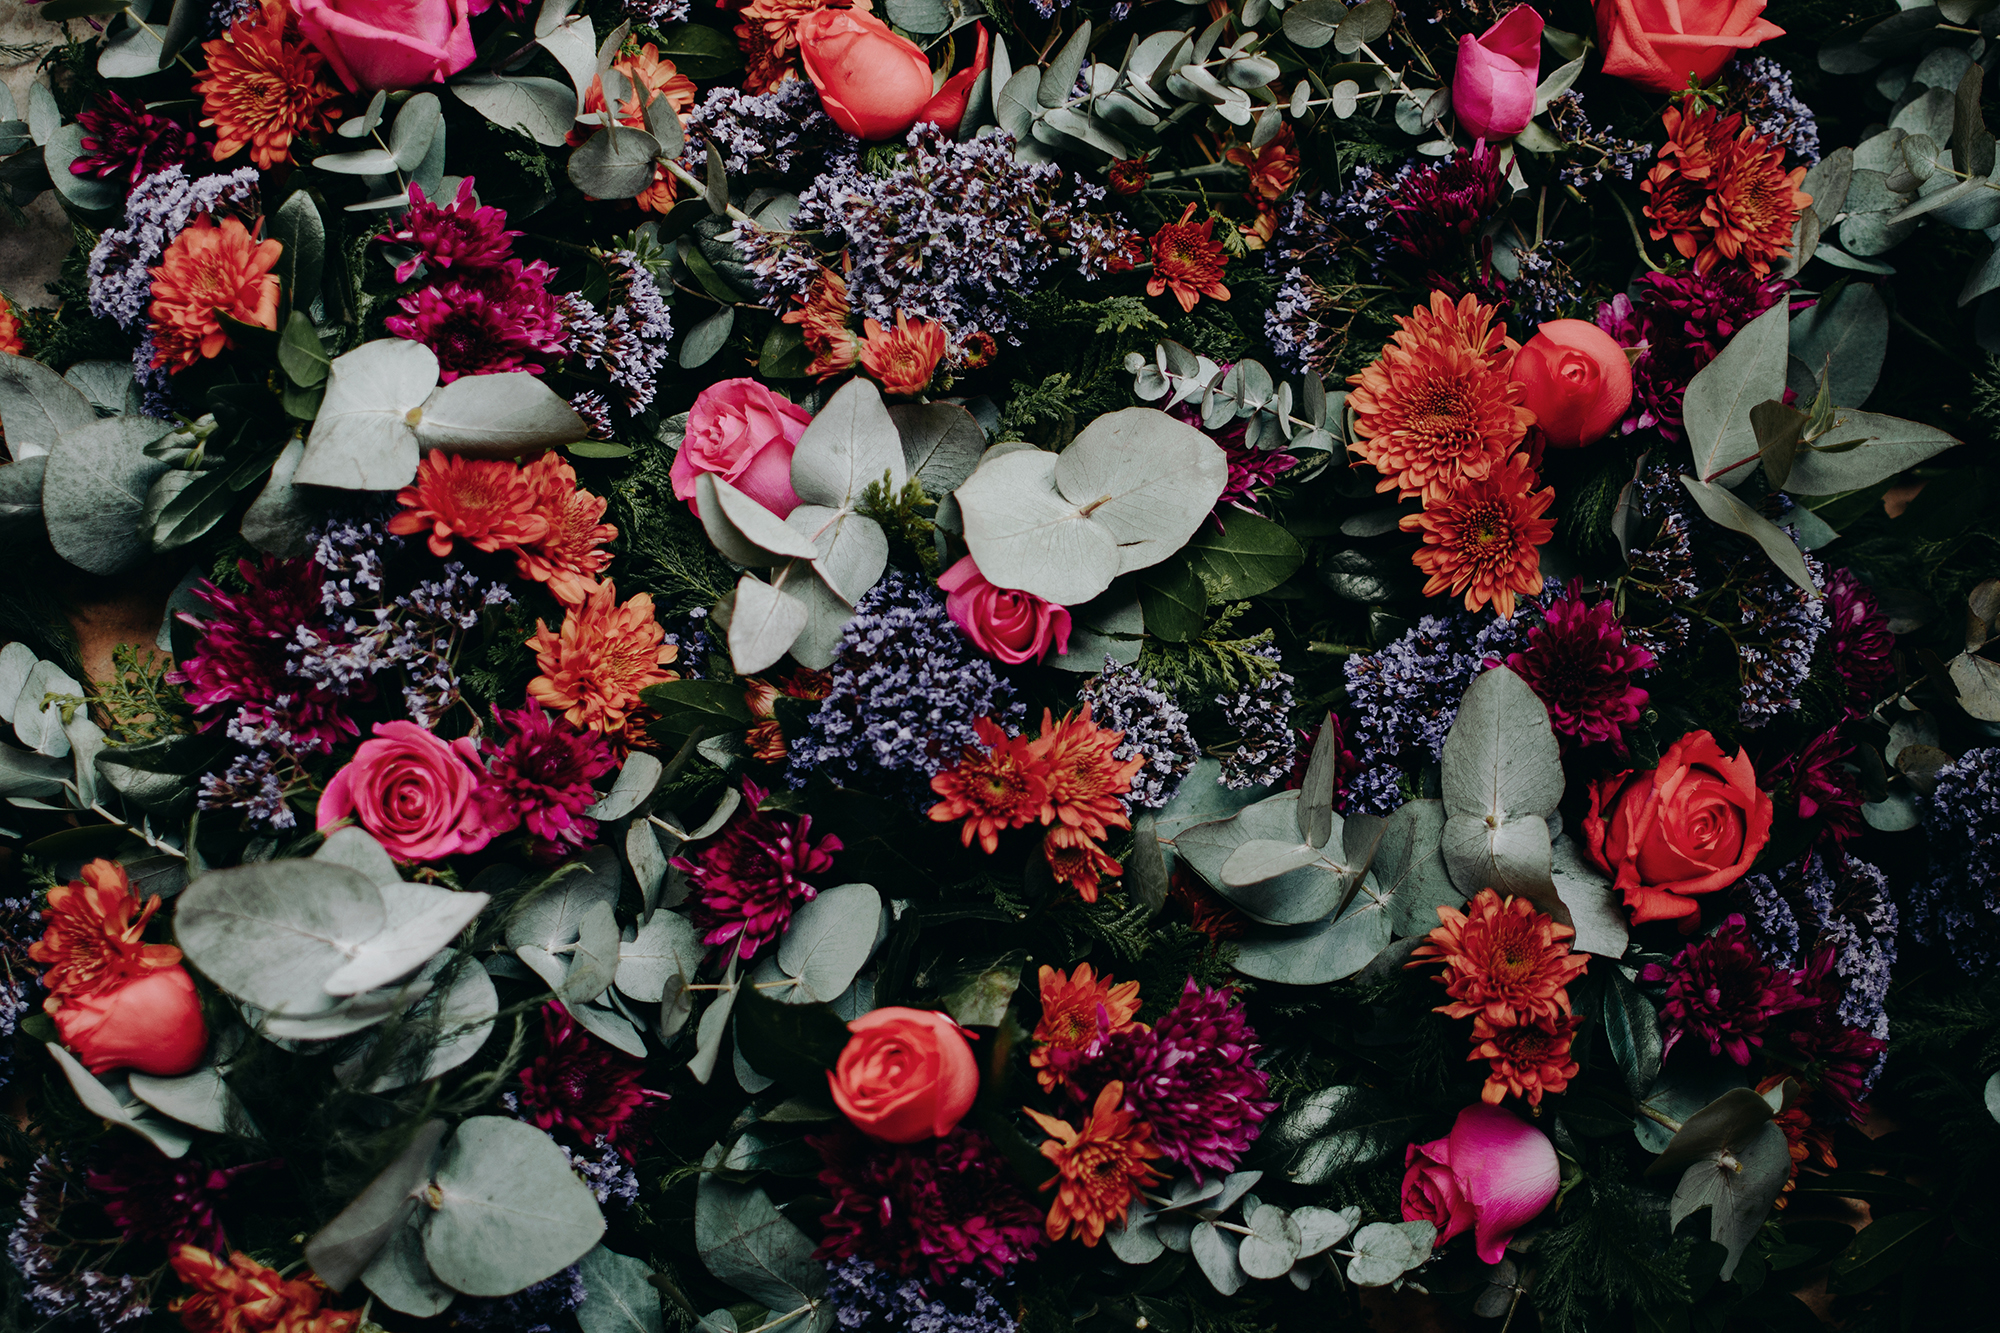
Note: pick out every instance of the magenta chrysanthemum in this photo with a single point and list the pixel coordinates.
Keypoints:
(1721, 993)
(1823, 784)
(1681, 321)
(539, 770)
(1857, 639)
(1193, 1077)
(749, 878)
(461, 234)
(931, 1208)
(1843, 1060)
(485, 321)
(1438, 211)
(249, 644)
(1579, 665)
(122, 139)
(1249, 471)
(582, 1085)
(153, 1198)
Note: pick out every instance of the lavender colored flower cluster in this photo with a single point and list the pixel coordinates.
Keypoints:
(1957, 905)
(20, 926)
(537, 1309)
(1774, 110)
(772, 132)
(907, 687)
(58, 1284)
(1621, 157)
(1847, 908)
(632, 341)
(868, 1300)
(158, 209)
(1126, 699)
(1261, 715)
(1545, 289)
(945, 235)
(1783, 624)
(1294, 328)
(657, 13)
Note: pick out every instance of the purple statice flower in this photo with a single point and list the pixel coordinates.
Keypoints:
(1126, 699)
(631, 342)
(1682, 320)
(222, 13)
(1193, 1077)
(1781, 625)
(462, 234)
(866, 1299)
(542, 1308)
(55, 1281)
(774, 133)
(907, 685)
(1438, 209)
(1578, 664)
(256, 782)
(538, 773)
(1857, 642)
(1723, 993)
(420, 631)
(158, 209)
(1593, 153)
(20, 927)
(1771, 107)
(946, 235)
(591, 405)
(604, 1169)
(657, 13)
(1260, 714)
(353, 554)
(485, 321)
(1544, 288)
(1817, 904)
(1301, 339)
(1956, 905)
(748, 879)
(124, 140)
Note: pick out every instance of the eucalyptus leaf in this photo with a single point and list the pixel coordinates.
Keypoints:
(1739, 1188)
(1887, 446)
(200, 1098)
(542, 109)
(399, 1278)
(342, 1248)
(851, 443)
(509, 1211)
(554, 918)
(497, 416)
(1716, 411)
(942, 444)
(1323, 951)
(1274, 1244)
(614, 163)
(1845, 338)
(1732, 513)
(440, 1033)
(1382, 1253)
(743, 530)
(618, 1298)
(278, 520)
(114, 1102)
(667, 947)
(633, 787)
(419, 921)
(363, 438)
(273, 933)
(830, 938)
(94, 491)
(38, 406)
(1215, 1253)
(1410, 874)
(763, 625)
(852, 548)
(748, 1244)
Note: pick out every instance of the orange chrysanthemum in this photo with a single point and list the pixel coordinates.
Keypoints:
(264, 87)
(207, 272)
(593, 669)
(904, 358)
(1503, 959)
(95, 935)
(1003, 786)
(1076, 860)
(1439, 406)
(769, 38)
(240, 1295)
(822, 321)
(1483, 537)
(643, 69)
(570, 555)
(486, 501)
(1525, 1059)
(10, 330)
(1085, 780)
(1753, 207)
(1078, 1011)
(1188, 261)
(1208, 911)
(1273, 169)
(766, 738)
(1100, 1168)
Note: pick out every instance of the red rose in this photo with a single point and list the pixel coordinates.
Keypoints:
(904, 1075)
(1575, 379)
(1011, 626)
(1659, 44)
(414, 792)
(743, 433)
(875, 84)
(151, 1023)
(1692, 825)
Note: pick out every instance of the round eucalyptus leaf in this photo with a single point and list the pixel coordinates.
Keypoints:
(88, 193)
(274, 932)
(440, 1034)
(593, 963)
(853, 550)
(1274, 1245)
(851, 444)
(829, 939)
(1382, 1253)
(38, 405)
(614, 163)
(362, 439)
(200, 1098)
(509, 1211)
(743, 530)
(554, 917)
(666, 947)
(399, 1278)
(618, 1298)
(420, 919)
(539, 108)
(765, 623)
(341, 1249)
(356, 849)
(95, 489)
(497, 416)
(941, 444)
(1025, 535)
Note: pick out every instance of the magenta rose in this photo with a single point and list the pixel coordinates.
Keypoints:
(1011, 626)
(1494, 1173)
(415, 793)
(389, 43)
(743, 433)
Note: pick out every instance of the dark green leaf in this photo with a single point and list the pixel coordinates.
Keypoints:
(1250, 556)
(703, 54)
(784, 355)
(1632, 1030)
(793, 1043)
(1880, 1249)
(301, 353)
(1313, 23)
(1338, 1128)
(1864, 1185)
(1173, 600)
(707, 338)
(685, 706)
(1779, 430)
(188, 19)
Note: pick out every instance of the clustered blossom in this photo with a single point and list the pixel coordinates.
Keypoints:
(1128, 700)
(483, 312)
(1295, 325)
(56, 1279)
(462, 233)
(905, 687)
(1956, 905)
(1594, 152)
(1857, 642)
(1260, 715)
(1782, 624)
(1773, 109)
(631, 342)
(946, 236)
(1578, 664)
(583, 1086)
(539, 773)
(866, 1299)
(20, 927)
(122, 139)
(750, 878)
(1544, 288)
(1846, 907)
(542, 1308)
(175, 1202)
(1723, 993)
(1437, 210)
(778, 132)
(1682, 321)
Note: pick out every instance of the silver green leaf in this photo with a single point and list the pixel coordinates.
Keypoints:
(509, 1211)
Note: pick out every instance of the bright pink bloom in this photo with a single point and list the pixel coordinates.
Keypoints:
(1494, 1174)
(389, 43)
(1493, 89)
(538, 772)
(750, 877)
(414, 792)
(485, 321)
(462, 233)
(1005, 624)
(744, 434)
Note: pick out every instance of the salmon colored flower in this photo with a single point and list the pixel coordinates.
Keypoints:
(1075, 859)
(1100, 1168)
(1084, 779)
(606, 653)
(264, 87)
(1525, 1059)
(904, 358)
(1188, 261)
(1273, 169)
(570, 555)
(1079, 1011)
(210, 271)
(240, 1295)
(1000, 787)
(1504, 960)
(95, 935)
(1439, 406)
(10, 330)
(1753, 207)
(1677, 187)
(644, 69)
(822, 321)
(1483, 538)
(766, 738)
(769, 38)
(486, 501)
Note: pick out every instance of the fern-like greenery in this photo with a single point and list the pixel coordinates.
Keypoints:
(1211, 663)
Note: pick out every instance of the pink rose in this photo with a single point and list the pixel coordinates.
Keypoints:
(1493, 90)
(1012, 626)
(389, 43)
(1494, 1173)
(743, 433)
(875, 84)
(414, 792)
(1575, 379)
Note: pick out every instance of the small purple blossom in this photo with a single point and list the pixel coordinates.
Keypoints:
(1722, 993)
(1125, 699)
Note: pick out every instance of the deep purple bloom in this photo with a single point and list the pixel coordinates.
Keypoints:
(540, 1308)
(149, 1197)
(1438, 211)
(461, 234)
(124, 140)
(1955, 905)
(1857, 640)
(1683, 321)
(582, 1085)
(750, 877)
(1579, 665)
(1721, 992)
(485, 321)
(1844, 1058)
(1825, 786)
(539, 770)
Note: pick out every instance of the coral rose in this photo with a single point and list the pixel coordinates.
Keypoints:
(151, 1023)
(1660, 44)
(1576, 380)
(743, 433)
(1494, 1173)
(1012, 626)
(904, 1075)
(414, 792)
(389, 43)
(1493, 86)
(1690, 826)
(875, 84)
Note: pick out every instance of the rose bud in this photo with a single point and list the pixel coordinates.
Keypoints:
(414, 792)
(1493, 88)
(1494, 1173)
(151, 1023)
(873, 83)
(1010, 626)
(389, 43)
(744, 434)
(1575, 379)
(904, 1075)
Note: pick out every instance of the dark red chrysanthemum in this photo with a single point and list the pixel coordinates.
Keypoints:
(1723, 994)
(583, 1085)
(153, 1198)
(1825, 785)
(931, 1208)
(1438, 211)
(750, 877)
(1579, 665)
(125, 141)
(485, 321)
(1857, 639)
(539, 769)
(1842, 1060)
(461, 234)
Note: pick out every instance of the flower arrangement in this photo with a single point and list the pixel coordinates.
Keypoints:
(973, 667)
